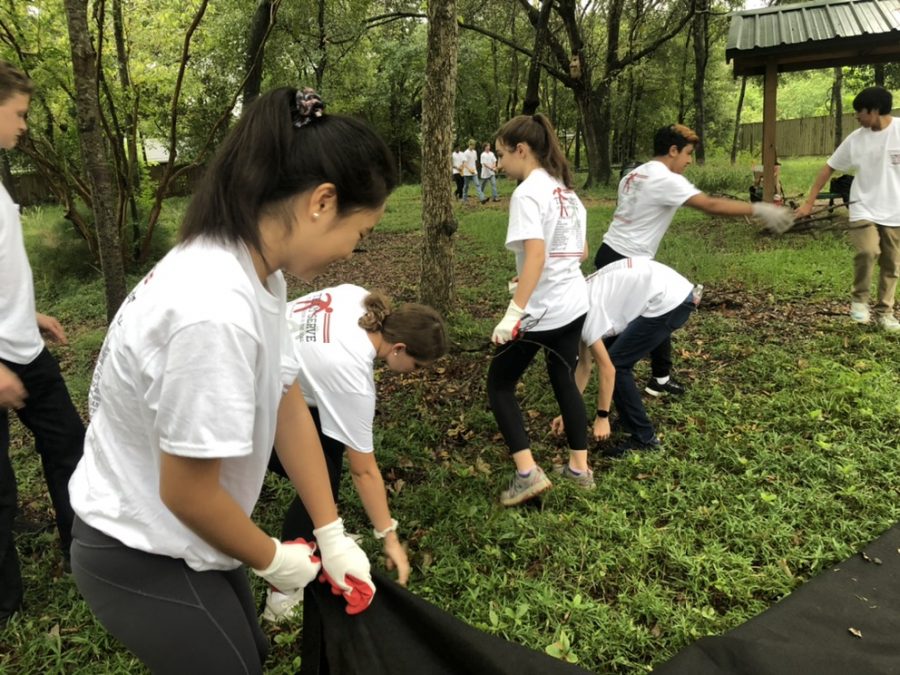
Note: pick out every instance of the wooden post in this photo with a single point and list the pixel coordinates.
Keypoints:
(770, 88)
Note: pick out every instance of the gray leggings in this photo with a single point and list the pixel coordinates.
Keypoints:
(173, 618)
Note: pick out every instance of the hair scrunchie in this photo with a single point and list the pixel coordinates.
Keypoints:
(309, 106)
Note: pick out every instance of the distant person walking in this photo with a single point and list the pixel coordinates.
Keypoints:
(547, 233)
(30, 380)
(873, 152)
(457, 162)
(489, 171)
(470, 173)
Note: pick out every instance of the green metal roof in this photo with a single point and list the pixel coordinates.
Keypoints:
(814, 28)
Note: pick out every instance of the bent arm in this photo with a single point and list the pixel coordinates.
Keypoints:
(300, 452)
(532, 268)
(190, 488)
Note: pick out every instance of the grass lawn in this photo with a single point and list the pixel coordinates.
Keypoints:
(779, 461)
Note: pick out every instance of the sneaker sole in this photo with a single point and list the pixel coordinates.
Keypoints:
(530, 493)
(653, 392)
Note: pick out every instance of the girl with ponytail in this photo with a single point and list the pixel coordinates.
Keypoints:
(338, 335)
(547, 234)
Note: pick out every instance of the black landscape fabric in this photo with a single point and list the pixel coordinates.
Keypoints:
(844, 621)
(401, 634)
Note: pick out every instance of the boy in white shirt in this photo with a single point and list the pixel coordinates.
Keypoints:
(873, 152)
(30, 380)
(489, 171)
(470, 173)
(635, 304)
(649, 196)
(457, 162)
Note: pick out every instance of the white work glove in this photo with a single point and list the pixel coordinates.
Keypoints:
(345, 566)
(293, 566)
(776, 219)
(508, 328)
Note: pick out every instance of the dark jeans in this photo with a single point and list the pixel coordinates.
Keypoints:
(173, 618)
(661, 356)
(458, 180)
(297, 522)
(59, 439)
(560, 347)
(639, 338)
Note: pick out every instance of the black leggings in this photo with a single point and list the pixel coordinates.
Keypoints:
(173, 618)
(661, 355)
(560, 347)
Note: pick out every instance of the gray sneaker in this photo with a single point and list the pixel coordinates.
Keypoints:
(522, 489)
(583, 480)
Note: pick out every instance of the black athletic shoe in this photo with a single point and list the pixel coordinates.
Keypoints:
(654, 388)
(629, 445)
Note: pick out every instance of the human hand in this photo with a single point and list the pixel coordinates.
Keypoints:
(508, 328)
(12, 391)
(397, 558)
(775, 219)
(557, 426)
(601, 428)
(293, 566)
(802, 211)
(345, 566)
(52, 327)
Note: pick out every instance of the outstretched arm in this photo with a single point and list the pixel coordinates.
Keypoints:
(821, 178)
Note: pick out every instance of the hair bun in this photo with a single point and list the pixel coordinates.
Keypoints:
(309, 106)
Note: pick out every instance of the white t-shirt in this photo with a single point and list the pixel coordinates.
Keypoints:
(488, 164)
(336, 360)
(543, 208)
(626, 289)
(194, 364)
(457, 160)
(468, 166)
(20, 339)
(649, 196)
(875, 157)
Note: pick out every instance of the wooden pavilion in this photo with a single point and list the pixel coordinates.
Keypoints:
(806, 36)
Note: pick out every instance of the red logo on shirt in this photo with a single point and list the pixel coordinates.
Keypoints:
(315, 305)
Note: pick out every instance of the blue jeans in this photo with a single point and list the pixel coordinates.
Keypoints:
(468, 180)
(493, 182)
(638, 339)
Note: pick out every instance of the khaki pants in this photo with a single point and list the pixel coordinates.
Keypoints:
(875, 242)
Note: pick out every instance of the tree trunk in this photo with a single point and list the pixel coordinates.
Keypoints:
(322, 60)
(259, 28)
(436, 285)
(701, 58)
(879, 74)
(532, 91)
(838, 105)
(594, 120)
(681, 95)
(737, 120)
(95, 153)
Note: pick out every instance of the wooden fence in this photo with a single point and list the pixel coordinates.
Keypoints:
(805, 136)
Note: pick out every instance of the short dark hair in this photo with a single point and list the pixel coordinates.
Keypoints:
(266, 159)
(675, 134)
(874, 98)
(13, 81)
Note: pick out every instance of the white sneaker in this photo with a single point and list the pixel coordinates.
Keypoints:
(859, 312)
(280, 607)
(889, 323)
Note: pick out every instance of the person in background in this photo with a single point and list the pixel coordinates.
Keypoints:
(30, 380)
(547, 232)
(196, 382)
(339, 334)
(489, 171)
(873, 152)
(457, 162)
(470, 173)
(649, 197)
